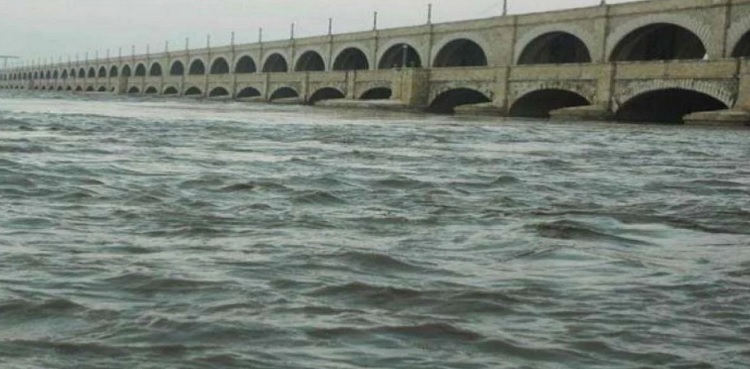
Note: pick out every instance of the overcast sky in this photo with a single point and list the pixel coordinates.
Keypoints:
(58, 28)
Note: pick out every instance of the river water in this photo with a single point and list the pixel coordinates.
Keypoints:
(168, 234)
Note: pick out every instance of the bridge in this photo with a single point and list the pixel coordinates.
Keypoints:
(657, 60)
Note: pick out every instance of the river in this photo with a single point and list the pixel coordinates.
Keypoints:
(173, 234)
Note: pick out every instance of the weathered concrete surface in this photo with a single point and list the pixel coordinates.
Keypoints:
(484, 110)
(591, 112)
(390, 105)
(720, 117)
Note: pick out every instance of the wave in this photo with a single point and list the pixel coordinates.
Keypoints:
(427, 331)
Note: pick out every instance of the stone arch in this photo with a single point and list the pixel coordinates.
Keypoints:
(55, 74)
(177, 68)
(310, 61)
(245, 64)
(126, 71)
(668, 105)
(155, 70)
(81, 73)
(197, 67)
(64, 74)
(170, 90)
(248, 92)
(193, 91)
(59, 88)
(351, 58)
(49, 75)
(284, 93)
(79, 88)
(275, 62)
(738, 39)
(69, 88)
(377, 93)
(219, 91)
(325, 93)
(102, 72)
(140, 70)
(219, 66)
(113, 72)
(539, 103)
(446, 101)
(460, 51)
(134, 90)
(92, 73)
(544, 36)
(102, 89)
(723, 93)
(88, 89)
(151, 90)
(701, 30)
(392, 56)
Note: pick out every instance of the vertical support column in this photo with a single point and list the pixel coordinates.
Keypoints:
(351, 84)
(233, 68)
(414, 87)
(743, 93)
(208, 66)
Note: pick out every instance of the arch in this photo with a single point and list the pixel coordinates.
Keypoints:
(134, 90)
(378, 93)
(113, 72)
(140, 70)
(555, 48)
(446, 102)
(218, 92)
(220, 66)
(310, 61)
(170, 90)
(92, 73)
(197, 67)
(55, 74)
(539, 104)
(400, 56)
(327, 93)
(150, 90)
(248, 92)
(81, 73)
(351, 58)
(72, 74)
(155, 70)
(193, 91)
(102, 72)
(742, 47)
(102, 89)
(461, 52)
(177, 68)
(64, 74)
(36, 75)
(245, 64)
(88, 89)
(79, 88)
(69, 88)
(284, 93)
(49, 75)
(59, 88)
(275, 63)
(669, 105)
(126, 71)
(664, 37)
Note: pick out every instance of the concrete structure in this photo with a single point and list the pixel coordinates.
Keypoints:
(658, 60)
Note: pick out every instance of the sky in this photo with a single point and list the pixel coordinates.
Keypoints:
(44, 29)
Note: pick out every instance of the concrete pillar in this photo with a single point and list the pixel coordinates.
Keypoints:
(414, 87)
(743, 90)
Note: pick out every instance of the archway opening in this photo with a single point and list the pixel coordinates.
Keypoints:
(310, 61)
(379, 93)
(220, 66)
(327, 93)
(351, 59)
(92, 73)
(170, 91)
(151, 90)
(102, 72)
(284, 93)
(126, 72)
(661, 41)
(218, 92)
(539, 104)
(81, 74)
(140, 70)
(197, 68)
(155, 70)
(275, 64)
(177, 69)
(461, 53)
(49, 75)
(400, 56)
(555, 48)
(88, 89)
(79, 88)
(193, 91)
(134, 90)
(113, 71)
(742, 49)
(666, 106)
(245, 65)
(55, 75)
(248, 92)
(64, 74)
(446, 102)
(102, 89)
(59, 88)
(69, 88)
